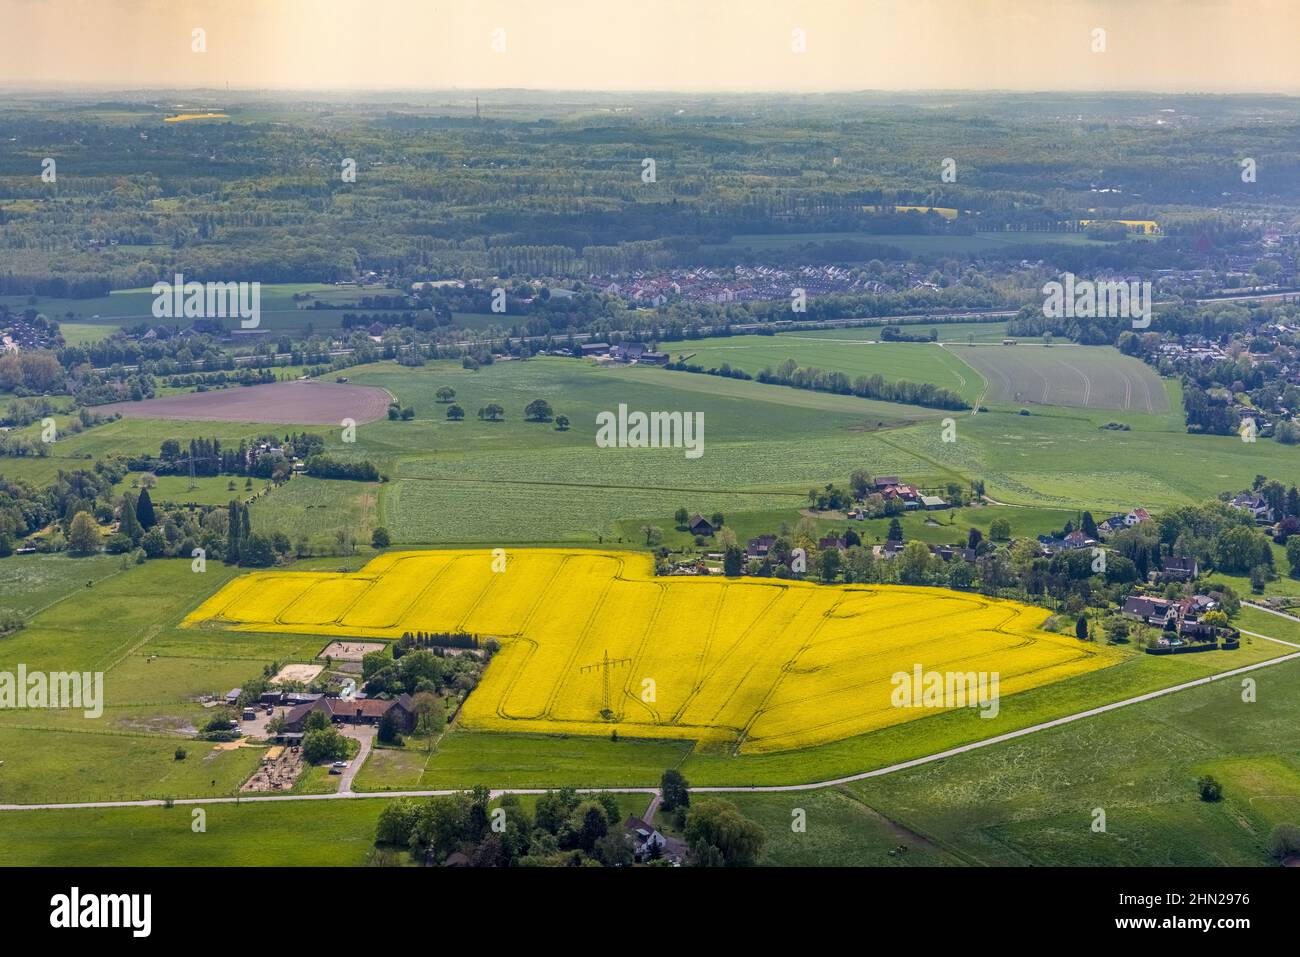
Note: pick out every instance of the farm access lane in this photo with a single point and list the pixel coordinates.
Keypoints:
(718, 789)
(365, 736)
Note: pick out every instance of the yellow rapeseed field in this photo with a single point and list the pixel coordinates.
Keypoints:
(763, 664)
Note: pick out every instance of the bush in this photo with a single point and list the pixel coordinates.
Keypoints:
(10, 621)
(1211, 790)
(180, 754)
(324, 744)
(118, 544)
(1284, 840)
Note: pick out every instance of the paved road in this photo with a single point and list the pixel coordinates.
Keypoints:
(1271, 611)
(365, 734)
(729, 789)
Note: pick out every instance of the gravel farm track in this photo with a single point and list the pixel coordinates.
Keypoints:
(284, 403)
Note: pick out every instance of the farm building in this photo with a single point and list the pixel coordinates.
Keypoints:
(700, 525)
(353, 711)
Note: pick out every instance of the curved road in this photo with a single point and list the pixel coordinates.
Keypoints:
(815, 785)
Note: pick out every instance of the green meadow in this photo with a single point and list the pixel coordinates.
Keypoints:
(895, 361)
(85, 320)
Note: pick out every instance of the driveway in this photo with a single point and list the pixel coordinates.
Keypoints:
(365, 734)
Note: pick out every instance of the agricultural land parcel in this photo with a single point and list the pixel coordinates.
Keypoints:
(765, 446)
(765, 665)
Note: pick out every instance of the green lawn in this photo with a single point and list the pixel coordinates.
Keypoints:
(57, 766)
(467, 758)
(29, 583)
(1032, 801)
(207, 490)
(895, 361)
(268, 834)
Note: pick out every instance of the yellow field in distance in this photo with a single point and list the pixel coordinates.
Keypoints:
(761, 664)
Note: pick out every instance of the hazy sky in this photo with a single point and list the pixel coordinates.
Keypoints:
(737, 45)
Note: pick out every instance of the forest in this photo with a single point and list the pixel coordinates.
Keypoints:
(565, 190)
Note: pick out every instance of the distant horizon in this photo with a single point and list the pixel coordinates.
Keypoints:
(1172, 47)
(25, 87)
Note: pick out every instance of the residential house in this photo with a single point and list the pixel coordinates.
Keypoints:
(1152, 611)
(759, 547)
(649, 843)
(1257, 507)
(1078, 539)
(907, 494)
(1137, 516)
(1111, 525)
(1182, 568)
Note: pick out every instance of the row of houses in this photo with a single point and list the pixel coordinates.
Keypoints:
(1051, 544)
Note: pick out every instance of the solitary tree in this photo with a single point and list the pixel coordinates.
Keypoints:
(144, 511)
(130, 525)
(445, 394)
(83, 535)
(455, 413)
(1081, 628)
(675, 790)
(719, 835)
(1211, 790)
(539, 410)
